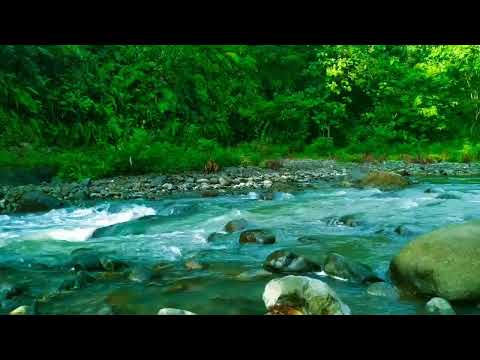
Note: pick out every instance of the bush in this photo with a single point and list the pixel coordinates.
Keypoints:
(320, 147)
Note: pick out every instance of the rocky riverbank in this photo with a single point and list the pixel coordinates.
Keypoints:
(293, 175)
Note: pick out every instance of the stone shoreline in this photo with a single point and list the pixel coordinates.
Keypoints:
(293, 175)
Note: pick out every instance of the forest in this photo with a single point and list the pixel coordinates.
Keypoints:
(96, 111)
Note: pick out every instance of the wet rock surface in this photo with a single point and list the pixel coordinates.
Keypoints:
(443, 263)
(439, 306)
(339, 266)
(300, 295)
(282, 261)
(259, 236)
(236, 225)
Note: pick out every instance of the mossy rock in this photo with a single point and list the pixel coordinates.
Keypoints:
(443, 263)
(384, 180)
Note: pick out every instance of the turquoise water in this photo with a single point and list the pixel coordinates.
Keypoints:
(34, 247)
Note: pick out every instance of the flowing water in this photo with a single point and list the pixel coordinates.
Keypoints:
(33, 247)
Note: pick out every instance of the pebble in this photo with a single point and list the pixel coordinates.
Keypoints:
(167, 186)
(233, 179)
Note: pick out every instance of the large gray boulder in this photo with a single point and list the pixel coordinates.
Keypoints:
(301, 295)
(36, 201)
(444, 263)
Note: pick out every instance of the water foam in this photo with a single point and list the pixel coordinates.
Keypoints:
(79, 225)
(323, 273)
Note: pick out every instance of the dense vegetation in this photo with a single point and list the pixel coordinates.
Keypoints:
(103, 110)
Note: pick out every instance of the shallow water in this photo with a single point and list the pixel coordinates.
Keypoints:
(34, 246)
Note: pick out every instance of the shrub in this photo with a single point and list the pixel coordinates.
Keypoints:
(321, 146)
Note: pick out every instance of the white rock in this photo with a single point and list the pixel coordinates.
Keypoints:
(267, 183)
(202, 181)
(21, 310)
(171, 311)
(167, 186)
(439, 306)
(224, 181)
(319, 298)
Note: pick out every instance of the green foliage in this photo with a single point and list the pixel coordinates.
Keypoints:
(102, 110)
(322, 146)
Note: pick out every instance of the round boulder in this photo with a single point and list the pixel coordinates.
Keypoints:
(442, 263)
(302, 295)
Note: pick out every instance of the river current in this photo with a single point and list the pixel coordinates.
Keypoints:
(33, 246)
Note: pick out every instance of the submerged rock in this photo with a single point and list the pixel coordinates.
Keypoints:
(346, 220)
(303, 296)
(81, 280)
(443, 263)
(9, 291)
(383, 289)
(146, 224)
(171, 311)
(434, 190)
(112, 265)
(339, 266)
(195, 265)
(141, 274)
(253, 274)
(236, 225)
(403, 230)
(259, 236)
(449, 196)
(219, 237)
(439, 306)
(86, 259)
(134, 227)
(282, 261)
(268, 196)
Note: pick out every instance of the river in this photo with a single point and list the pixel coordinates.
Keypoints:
(33, 247)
